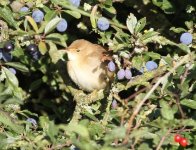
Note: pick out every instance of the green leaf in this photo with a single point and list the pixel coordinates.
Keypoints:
(60, 2)
(189, 103)
(177, 30)
(188, 122)
(183, 47)
(33, 23)
(13, 84)
(10, 77)
(148, 36)
(52, 25)
(44, 122)
(168, 7)
(79, 129)
(50, 15)
(75, 14)
(35, 84)
(137, 62)
(42, 47)
(18, 66)
(110, 9)
(7, 15)
(143, 133)
(118, 132)
(3, 141)
(52, 131)
(144, 146)
(166, 110)
(157, 2)
(153, 55)
(189, 24)
(7, 120)
(55, 54)
(91, 116)
(96, 129)
(57, 38)
(131, 23)
(140, 25)
(4, 2)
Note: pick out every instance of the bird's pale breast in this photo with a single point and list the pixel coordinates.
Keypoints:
(86, 77)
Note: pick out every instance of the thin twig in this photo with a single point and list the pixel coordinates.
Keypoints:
(179, 106)
(163, 139)
(183, 130)
(135, 94)
(182, 79)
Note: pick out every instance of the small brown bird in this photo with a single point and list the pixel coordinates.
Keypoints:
(85, 65)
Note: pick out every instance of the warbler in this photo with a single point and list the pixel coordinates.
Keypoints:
(86, 67)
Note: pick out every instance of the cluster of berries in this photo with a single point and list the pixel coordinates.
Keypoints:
(181, 140)
(121, 74)
(38, 17)
(127, 73)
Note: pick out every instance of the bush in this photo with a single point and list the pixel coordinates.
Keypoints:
(41, 108)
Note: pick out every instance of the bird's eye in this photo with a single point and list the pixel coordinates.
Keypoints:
(77, 50)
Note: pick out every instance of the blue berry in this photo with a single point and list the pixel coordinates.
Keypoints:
(151, 65)
(186, 38)
(128, 74)
(33, 50)
(75, 3)
(8, 46)
(121, 74)
(114, 104)
(38, 16)
(103, 23)
(111, 66)
(24, 9)
(62, 26)
(6, 56)
(12, 70)
(32, 121)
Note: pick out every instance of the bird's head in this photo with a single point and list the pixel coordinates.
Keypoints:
(79, 49)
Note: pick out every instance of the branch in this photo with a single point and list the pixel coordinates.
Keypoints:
(142, 79)
(83, 100)
(185, 59)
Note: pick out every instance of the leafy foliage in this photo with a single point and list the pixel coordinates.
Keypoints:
(144, 112)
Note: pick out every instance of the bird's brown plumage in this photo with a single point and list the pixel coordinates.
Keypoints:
(85, 65)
